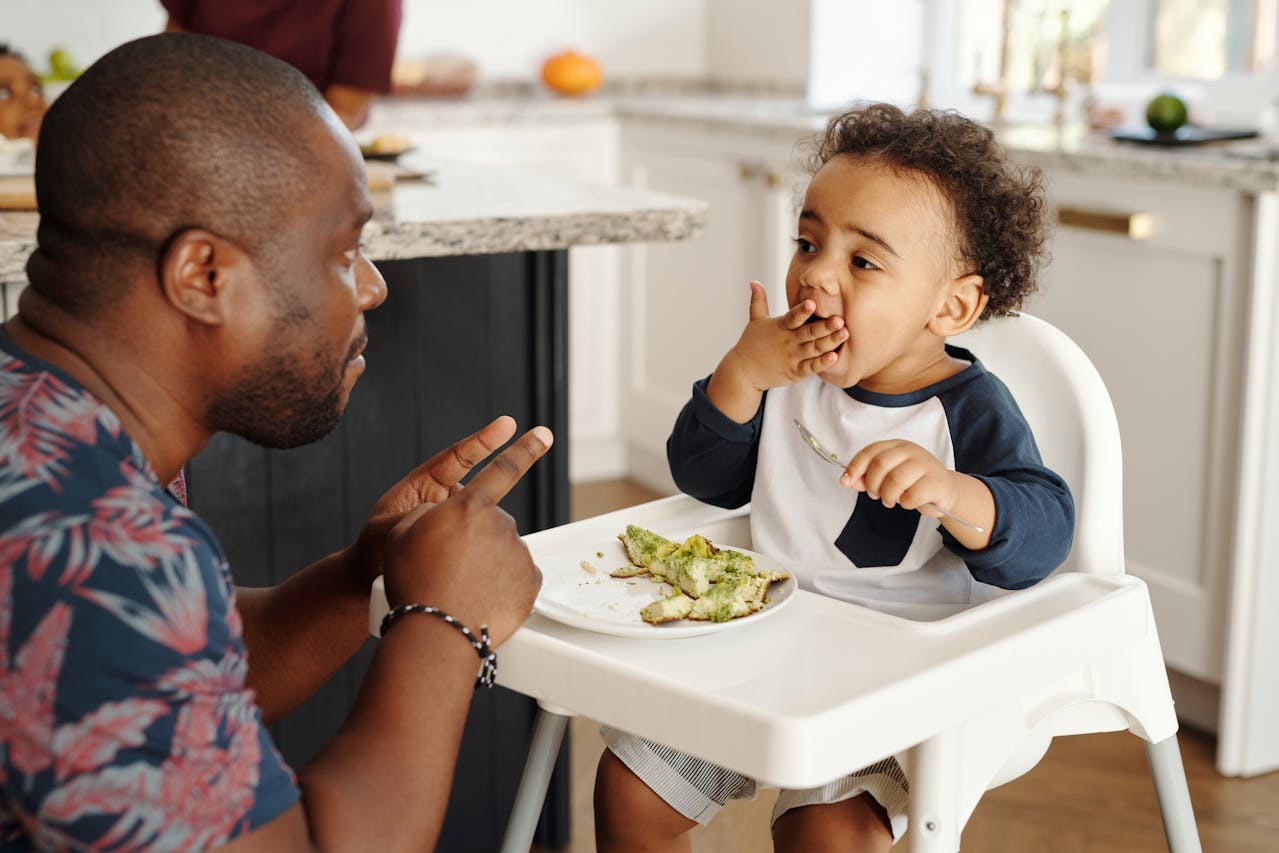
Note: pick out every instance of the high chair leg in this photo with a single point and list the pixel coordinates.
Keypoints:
(934, 821)
(548, 733)
(1174, 796)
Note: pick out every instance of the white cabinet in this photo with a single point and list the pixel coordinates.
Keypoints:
(1181, 326)
(577, 149)
(684, 304)
(1163, 318)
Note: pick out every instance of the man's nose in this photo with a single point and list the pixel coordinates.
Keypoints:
(369, 284)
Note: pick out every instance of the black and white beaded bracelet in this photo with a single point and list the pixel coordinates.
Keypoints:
(488, 657)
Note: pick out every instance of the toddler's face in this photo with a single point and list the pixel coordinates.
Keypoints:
(875, 247)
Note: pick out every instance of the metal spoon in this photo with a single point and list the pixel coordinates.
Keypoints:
(833, 458)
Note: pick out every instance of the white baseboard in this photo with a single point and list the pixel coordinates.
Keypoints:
(1198, 702)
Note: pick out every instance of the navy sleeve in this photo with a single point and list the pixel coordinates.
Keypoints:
(1034, 511)
(712, 456)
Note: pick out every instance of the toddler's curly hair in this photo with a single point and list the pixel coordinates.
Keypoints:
(998, 206)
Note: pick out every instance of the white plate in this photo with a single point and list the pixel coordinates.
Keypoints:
(607, 605)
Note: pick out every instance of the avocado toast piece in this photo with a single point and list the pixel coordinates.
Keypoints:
(643, 547)
(677, 605)
(731, 597)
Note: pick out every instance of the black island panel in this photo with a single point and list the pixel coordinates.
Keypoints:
(459, 341)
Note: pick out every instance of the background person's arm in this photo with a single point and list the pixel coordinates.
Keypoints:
(351, 104)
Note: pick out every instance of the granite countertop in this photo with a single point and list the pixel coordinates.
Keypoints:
(1249, 166)
(462, 209)
(468, 209)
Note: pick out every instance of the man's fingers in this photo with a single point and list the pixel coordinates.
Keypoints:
(759, 301)
(452, 464)
(506, 469)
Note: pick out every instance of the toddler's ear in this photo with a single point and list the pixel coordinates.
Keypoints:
(963, 302)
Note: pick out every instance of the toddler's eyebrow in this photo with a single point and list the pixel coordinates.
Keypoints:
(856, 229)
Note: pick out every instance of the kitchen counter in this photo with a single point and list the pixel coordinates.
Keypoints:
(463, 209)
(1250, 166)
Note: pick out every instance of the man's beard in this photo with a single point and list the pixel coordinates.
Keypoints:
(281, 405)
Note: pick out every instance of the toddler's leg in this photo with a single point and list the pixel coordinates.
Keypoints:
(855, 825)
(630, 817)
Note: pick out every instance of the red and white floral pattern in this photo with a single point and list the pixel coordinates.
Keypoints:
(125, 723)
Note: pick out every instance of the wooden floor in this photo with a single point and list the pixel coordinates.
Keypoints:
(1090, 793)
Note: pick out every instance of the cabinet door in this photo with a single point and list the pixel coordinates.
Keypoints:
(684, 304)
(1163, 320)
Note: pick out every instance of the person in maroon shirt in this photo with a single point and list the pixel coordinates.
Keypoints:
(345, 47)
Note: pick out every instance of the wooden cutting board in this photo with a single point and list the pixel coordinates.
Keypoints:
(17, 192)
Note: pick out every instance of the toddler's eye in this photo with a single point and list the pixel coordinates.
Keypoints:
(863, 264)
(804, 246)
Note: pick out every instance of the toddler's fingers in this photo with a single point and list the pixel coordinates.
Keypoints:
(915, 498)
(797, 316)
(759, 301)
(825, 343)
(821, 328)
(817, 363)
(854, 476)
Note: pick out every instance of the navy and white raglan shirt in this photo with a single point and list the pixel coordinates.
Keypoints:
(844, 544)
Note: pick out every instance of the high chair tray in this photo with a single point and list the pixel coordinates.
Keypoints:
(788, 700)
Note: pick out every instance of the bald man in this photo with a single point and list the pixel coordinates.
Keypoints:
(199, 269)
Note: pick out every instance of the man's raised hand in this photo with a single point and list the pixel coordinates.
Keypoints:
(463, 554)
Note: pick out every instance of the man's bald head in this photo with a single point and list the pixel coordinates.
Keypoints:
(163, 134)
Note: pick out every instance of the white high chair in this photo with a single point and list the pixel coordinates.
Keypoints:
(967, 703)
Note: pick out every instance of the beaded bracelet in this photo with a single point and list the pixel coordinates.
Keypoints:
(488, 657)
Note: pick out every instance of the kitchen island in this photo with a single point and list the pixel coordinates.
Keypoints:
(475, 325)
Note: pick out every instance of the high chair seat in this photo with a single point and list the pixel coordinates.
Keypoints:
(823, 687)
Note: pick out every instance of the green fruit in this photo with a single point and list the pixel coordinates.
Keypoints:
(61, 65)
(1165, 113)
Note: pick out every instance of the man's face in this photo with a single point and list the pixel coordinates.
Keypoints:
(315, 285)
(21, 100)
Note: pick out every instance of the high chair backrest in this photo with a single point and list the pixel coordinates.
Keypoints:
(1064, 399)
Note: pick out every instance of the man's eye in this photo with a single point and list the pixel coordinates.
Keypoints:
(5, 93)
(351, 256)
(804, 246)
(863, 264)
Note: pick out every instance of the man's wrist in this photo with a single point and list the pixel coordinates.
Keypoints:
(355, 560)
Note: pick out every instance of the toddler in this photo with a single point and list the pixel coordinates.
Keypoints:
(913, 228)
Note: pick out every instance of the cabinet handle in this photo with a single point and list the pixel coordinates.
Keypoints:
(751, 171)
(1135, 226)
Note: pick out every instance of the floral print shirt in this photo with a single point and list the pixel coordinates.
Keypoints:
(125, 723)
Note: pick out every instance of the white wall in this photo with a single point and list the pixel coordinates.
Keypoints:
(758, 41)
(510, 38)
(738, 41)
(88, 28)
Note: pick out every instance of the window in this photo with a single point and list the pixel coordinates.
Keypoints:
(1208, 39)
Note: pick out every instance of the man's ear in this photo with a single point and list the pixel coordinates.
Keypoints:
(198, 272)
(964, 301)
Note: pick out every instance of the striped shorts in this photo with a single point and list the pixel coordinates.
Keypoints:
(698, 789)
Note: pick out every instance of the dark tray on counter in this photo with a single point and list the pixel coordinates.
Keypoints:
(1182, 136)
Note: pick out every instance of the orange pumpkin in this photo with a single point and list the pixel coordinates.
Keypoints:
(572, 73)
